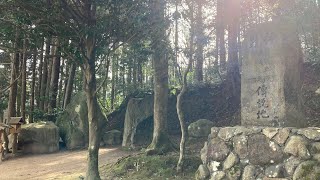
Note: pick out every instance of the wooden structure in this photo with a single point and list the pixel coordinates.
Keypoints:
(15, 123)
(1, 143)
(3, 128)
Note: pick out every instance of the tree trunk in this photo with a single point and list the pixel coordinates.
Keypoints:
(93, 112)
(176, 69)
(134, 73)
(181, 116)
(160, 143)
(114, 81)
(112, 89)
(92, 103)
(220, 34)
(47, 96)
(44, 75)
(233, 59)
(84, 81)
(14, 80)
(69, 87)
(105, 83)
(129, 75)
(33, 83)
(18, 112)
(200, 44)
(54, 82)
(192, 32)
(65, 84)
(40, 75)
(123, 80)
(140, 74)
(14, 87)
(61, 80)
(24, 80)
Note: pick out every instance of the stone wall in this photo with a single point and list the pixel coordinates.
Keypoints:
(250, 153)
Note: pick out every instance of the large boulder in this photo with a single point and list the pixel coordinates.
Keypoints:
(41, 137)
(200, 128)
(200, 102)
(112, 137)
(138, 109)
(73, 123)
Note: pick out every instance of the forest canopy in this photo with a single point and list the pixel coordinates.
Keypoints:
(111, 49)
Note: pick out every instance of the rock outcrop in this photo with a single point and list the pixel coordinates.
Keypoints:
(41, 137)
(200, 102)
(112, 138)
(73, 123)
(138, 109)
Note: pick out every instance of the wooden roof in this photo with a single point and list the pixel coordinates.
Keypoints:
(16, 120)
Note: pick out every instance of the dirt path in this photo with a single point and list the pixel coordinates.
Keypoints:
(62, 165)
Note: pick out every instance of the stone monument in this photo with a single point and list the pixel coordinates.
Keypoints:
(271, 76)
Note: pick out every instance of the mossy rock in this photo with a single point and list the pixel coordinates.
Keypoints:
(37, 138)
(308, 170)
(112, 137)
(200, 128)
(142, 167)
(73, 123)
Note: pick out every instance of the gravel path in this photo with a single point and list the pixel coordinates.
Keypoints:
(61, 165)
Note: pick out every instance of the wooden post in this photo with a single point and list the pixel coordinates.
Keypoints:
(15, 122)
(15, 143)
(1, 147)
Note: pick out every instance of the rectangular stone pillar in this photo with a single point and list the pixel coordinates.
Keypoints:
(271, 76)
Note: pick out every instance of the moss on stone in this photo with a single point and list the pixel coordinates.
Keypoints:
(144, 167)
(308, 170)
(73, 123)
(162, 146)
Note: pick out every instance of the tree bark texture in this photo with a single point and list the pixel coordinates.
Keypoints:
(44, 75)
(14, 80)
(50, 62)
(14, 86)
(54, 82)
(69, 87)
(33, 84)
(92, 102)
(61, 80)
(181, 116)
(24, 80)
(220, 32)
(40, 75)
(160, 142)
(233, 58)
(200, 43)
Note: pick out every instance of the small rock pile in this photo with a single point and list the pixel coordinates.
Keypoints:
(250, 153)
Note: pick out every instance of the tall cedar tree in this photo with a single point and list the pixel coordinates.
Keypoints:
(160, 142)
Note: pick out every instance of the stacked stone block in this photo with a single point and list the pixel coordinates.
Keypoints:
(250, 153)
